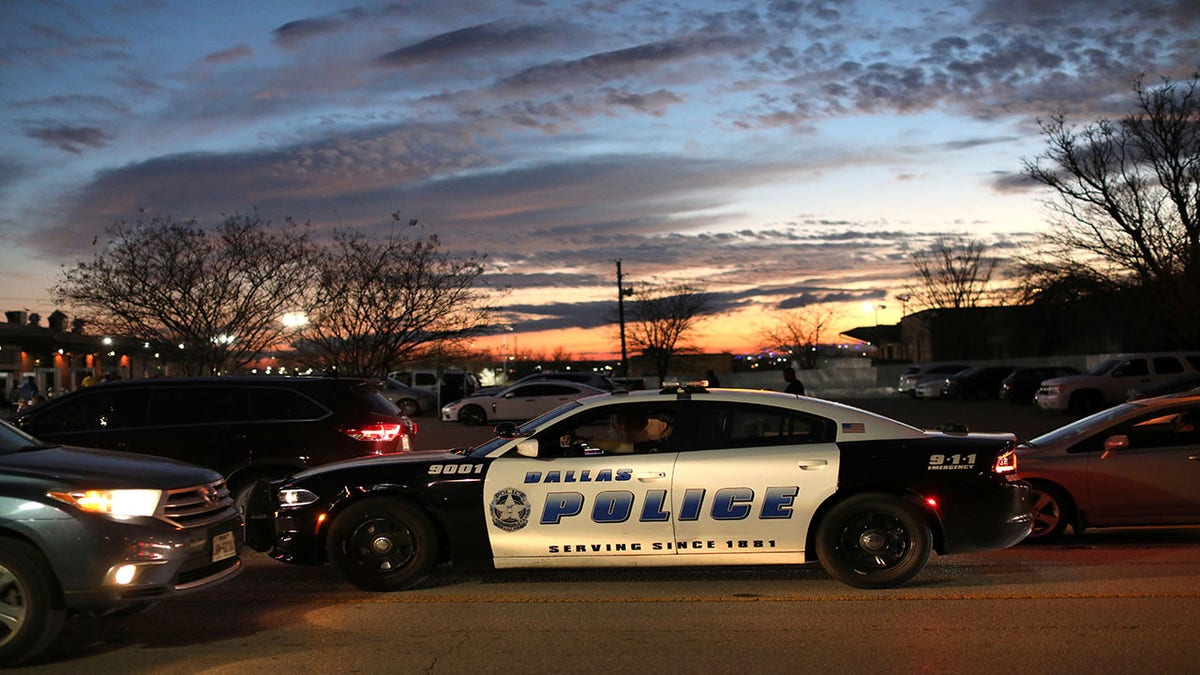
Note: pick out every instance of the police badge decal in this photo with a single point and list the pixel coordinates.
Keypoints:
(510, 510)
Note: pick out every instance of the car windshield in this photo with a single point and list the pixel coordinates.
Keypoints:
(13, 440)
(1104, 367)
(1082, 427)
(525, 429)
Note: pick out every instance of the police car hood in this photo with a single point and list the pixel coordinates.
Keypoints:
(103, 469)
(380, 461)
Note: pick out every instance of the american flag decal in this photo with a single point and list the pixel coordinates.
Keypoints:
(854, 428)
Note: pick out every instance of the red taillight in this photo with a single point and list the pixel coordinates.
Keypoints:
(375, 432)
(1005, 463)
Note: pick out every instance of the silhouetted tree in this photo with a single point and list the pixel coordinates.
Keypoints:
(660, 318)
(1126, 204)
(798, 332)
(953, 272)
(379, 303)
(208, 299)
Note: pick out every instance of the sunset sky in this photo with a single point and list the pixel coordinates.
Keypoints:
(784, 153)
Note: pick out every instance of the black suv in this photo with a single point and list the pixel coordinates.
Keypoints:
(246, 428)
(99, 532)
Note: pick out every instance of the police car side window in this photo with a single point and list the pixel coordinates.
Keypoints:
(604, 432)
(743, 426)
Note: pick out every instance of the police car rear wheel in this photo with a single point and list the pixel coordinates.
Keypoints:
(382, 545)
(873, 541)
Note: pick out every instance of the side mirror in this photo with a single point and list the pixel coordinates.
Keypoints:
(1115, 443)
(507, 430)
(528, 448)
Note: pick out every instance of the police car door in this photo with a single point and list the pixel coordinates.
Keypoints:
(750, 486)
(582, 501)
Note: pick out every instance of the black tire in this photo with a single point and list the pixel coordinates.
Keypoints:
(409, 407)
(30, 613)
(382, 544)
(874, 541)
(1052, 512)
(472, 415)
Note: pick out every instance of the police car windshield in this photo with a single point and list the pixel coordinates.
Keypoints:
(525, 429)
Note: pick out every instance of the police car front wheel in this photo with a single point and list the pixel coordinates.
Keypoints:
(873, 541)
(382, 544)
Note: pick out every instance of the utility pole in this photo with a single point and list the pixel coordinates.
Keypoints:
(621, 293)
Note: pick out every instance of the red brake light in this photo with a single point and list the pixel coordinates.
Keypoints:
(375, 431)
(1005, 463)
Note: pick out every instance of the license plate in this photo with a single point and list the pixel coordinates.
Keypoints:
(223, 546)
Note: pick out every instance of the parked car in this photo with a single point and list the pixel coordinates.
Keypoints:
(447, 385)
(582, 377)
(96, 532)
(411, 401)
(934, 385)
(1022, 383)
(680, 476)
(1132, 464)
(1110, 382)
(976, 383)
(520, 402)
(245, 428)
(924, 372)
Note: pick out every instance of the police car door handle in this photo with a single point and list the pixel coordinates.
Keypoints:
(651, 476)
(813, 464)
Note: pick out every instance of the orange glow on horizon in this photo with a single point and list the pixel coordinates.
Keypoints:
(736, 333)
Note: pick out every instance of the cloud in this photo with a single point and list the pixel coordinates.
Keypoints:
(620, 64)
(498, 37)
(237, 53)
(70, 139)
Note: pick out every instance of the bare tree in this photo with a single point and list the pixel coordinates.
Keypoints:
(797, 332)
(208, 299)
(380, 303)
(1126, 201)
(953, 272)
(661, 317)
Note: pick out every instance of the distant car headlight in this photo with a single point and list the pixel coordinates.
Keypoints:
(117, 503)
(296, 497)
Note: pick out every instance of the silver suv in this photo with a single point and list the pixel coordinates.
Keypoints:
(1110, 382)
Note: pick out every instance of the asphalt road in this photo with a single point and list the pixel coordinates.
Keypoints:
(1109, 602)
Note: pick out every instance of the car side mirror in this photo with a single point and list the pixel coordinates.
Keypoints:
(1115, 443)
(528, 448)
(507, 430)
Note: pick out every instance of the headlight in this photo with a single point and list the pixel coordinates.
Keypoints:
(119, 503)
(296, 497)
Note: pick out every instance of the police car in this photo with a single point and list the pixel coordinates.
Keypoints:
(678, 477)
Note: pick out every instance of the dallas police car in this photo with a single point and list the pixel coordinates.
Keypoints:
(682, 476)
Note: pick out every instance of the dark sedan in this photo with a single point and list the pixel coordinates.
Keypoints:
(1021, 384)
(982, 382)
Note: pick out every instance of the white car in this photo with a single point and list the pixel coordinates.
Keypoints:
(679, 477)
(931, 387)
(519, 402)
(913, 375)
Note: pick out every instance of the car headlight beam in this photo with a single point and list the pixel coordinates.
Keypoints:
(118, 503)
(296, 497)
